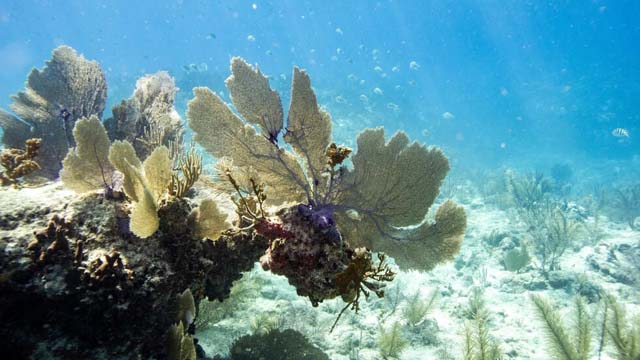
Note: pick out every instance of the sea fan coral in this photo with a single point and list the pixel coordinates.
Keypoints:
(380, 203)
(68, 88)
(148, 118)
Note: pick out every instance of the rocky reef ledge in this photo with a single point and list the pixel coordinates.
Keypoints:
(74, 282)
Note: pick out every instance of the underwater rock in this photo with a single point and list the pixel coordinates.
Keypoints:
(620, 262)
(276, 345)
(85, 276)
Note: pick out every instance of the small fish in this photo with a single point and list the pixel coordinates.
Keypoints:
(251, 38)
(413, 65)
(393, 106)
(211, 36)
(377, 91)
(620, 133)
(447, 115)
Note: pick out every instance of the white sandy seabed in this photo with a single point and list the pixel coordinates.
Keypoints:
(513, 321)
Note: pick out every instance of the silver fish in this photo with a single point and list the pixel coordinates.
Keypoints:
(620, 132)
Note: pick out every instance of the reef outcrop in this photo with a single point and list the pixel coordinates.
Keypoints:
(75, 286)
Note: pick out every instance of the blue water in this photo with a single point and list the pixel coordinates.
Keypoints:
(524, 81)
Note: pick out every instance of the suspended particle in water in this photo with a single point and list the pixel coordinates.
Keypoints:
(395, 69)
(283, 76)
(340, 99)
(251, 38)
(425, 132)
(362, 82)
(377, 69)
(377, 91)
(338, 51)
(393, 106)
(352, 77)
(504, 92)
(413, 65)
(254, 6)
(460, 136)
(364, 98)
(338, 31)
(447, 115)
(503, 145)
(334, 58)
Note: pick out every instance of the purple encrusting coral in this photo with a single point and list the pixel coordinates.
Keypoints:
(314, 254)
(322, 219)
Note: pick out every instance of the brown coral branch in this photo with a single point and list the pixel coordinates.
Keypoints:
(18, 163)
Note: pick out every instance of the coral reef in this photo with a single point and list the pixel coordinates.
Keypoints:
(18, 163)
(148, 118)
(301, 211)
(106, 286)
(391, 185)
(68, 88)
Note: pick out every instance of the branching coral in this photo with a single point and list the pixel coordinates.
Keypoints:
(18, 163)
(380, 203)
(68, 88)
(187, 173)
(148, 119)
(360, 277)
